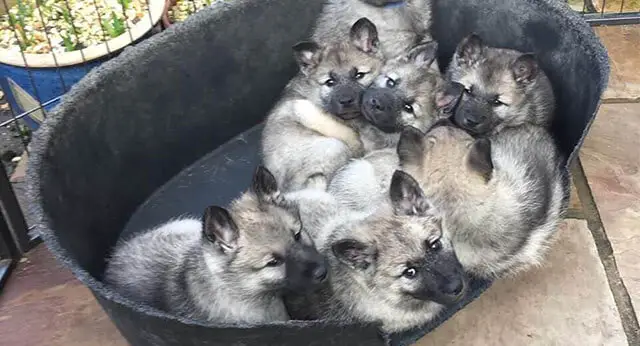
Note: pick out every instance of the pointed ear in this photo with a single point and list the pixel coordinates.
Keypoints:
(264, 184)
(219, 228)
(479, 158)
(423, 54)
(364, 35)
(525, 68)
(354, 254)
(469, 50)
(411, 146)
(406, 195)
(307, 55)
(447, 98)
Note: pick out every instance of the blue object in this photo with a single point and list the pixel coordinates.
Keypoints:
(43, 84)
(47, 84)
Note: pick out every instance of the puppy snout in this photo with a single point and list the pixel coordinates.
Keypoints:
(453, 287)
(375, 104)
(470, 122)
(316, 271)
(346, 100)
(319, 274)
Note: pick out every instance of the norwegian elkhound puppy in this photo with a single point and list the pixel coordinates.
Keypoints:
(408, 93)
(502, 197)
(392, 266)
(362, 184)
(231, 266)
(503, 88)
(308, 133)
(401, 23)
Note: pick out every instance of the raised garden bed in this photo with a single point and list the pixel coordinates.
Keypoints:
(73, 30)
(178, 10)
(46, 46)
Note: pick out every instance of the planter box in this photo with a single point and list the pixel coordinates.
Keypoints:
(130, 147)
(33, 78)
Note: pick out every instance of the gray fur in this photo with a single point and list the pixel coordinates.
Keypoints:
(502, 198)
(368, 253)
(400, 26)
(362, 185)
(228, 267)
(503, 88)
(408, 93)
(310, 132)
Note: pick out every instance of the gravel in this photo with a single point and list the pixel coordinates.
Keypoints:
(69, 24)
(184, 8)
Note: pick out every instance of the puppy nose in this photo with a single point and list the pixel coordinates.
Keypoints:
(470, 122)
(454, 287)
(375, 104)
(346, 100)
(316, 270)
(320, 274)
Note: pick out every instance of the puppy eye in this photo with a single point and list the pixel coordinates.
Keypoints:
(276, 261)
(435, 245)
(297, 235)
(496, 102)
(359, 75)
(409, 273)
(408, 108)
(330, 82)
(390, 83)
(468, 90)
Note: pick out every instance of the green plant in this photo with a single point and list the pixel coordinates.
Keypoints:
(67, 15)
(17, 23)
(114, 27)
(24, 10)
(69, 46)
(124, 3)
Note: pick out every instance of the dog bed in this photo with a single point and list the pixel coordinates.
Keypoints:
(173, 125)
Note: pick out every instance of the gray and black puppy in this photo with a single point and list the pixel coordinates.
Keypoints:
(392, 266)
(401, 23)
(503, 88)
(230, 266)
(362, 185)
(502, 197)
(310, 131)
(408, 93)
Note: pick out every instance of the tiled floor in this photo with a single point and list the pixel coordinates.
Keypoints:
(612, 162)
(623, 44)
(566, 302)
(43, 304)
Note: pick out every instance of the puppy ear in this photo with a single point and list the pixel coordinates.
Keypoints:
(406, 195)
(525, 68)
(354, 254)
(264, 184)
(469, 50)
(364, 35)
(219, 228)
(423, 54)
(411, 146)
(307, 55)
(479, 159)
(447, 98)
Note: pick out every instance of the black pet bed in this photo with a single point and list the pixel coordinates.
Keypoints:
(173, 125)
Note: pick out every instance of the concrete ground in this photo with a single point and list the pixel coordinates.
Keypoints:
(584, 295)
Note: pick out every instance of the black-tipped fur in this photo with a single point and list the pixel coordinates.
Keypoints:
(219, 228)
